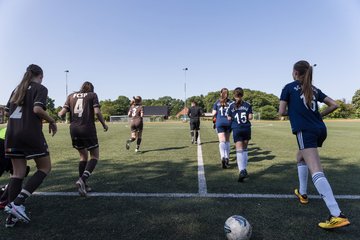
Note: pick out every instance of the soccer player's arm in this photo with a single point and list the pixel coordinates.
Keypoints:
(332, 105)
(98, 113)
(250, 117)
(142, 112)
(65, 108)
(39, 109)
(284, 98)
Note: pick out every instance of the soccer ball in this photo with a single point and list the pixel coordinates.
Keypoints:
(237, 228)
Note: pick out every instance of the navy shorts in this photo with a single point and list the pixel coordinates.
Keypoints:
(241, 134)
(223, 129)
(194, 125)
(313, 138)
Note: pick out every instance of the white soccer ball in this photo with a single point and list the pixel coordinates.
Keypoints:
(237, 228)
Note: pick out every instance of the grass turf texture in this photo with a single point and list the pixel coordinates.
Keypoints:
(168, 163)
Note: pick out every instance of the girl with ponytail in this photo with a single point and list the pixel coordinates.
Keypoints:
(222, 125)
(299, 101)
(240, 113)
(26, 110)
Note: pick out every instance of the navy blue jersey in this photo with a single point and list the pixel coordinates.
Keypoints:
(240, 115)
(302, 117)
(221, 118)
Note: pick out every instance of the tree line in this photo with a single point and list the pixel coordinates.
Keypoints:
(264, 104)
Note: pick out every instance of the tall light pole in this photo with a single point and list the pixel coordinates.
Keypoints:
(66, 83)
(185, 70)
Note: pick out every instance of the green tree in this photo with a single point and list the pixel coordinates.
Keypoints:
(344, 111)
(122, 104)
(356, 103)
(209, 100)
(268, 112)
(50, 107)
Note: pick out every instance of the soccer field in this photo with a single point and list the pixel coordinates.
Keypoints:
(161, 194)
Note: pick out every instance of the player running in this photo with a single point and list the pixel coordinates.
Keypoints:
(223, 126)
(136, 112)
(240, 114)
(299, 101)
(194, 113)
(83, 106)
(25, 140)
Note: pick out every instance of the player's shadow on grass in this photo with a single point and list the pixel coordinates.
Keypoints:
(164, 149)
(256, 154)
(209, 142)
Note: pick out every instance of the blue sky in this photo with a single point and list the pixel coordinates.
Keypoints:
(139, 47)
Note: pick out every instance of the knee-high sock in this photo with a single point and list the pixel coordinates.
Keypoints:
(14, 186)
(240, 160)
(323, 187)
(222, 148)
(245, 156)
(90, 166)
(31, 185)
(192, 133)
(227, 150)
(138, 142)
(303, 173)
(196, 135)
(82, 166)
(4, 196)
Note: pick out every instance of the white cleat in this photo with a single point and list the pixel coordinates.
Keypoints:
(17, 211)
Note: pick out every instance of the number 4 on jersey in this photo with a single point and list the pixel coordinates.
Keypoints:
(78, 109)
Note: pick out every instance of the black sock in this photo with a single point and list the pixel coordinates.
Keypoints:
(82, 166)
(90, 166)
(5, 194)
(196, 135)
(138, 142)
(31, 185)
(132, 139)
(14, 187)
(192, 134)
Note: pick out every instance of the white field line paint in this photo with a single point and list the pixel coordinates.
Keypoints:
(201, 170)
(189, 195)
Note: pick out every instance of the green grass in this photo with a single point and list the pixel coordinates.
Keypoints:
(168, 163)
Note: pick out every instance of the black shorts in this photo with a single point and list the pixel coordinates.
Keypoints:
(312, 138)
(195, 125)
(5, 162)
(241, 134)
(137, 126)
(38, 152)
(83, 139)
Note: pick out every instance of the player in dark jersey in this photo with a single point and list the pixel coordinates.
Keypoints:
(194, 113)
(83, 106)
(136, 112)
(223, 126)
(299, 100)
(240, 114)
(25, 140)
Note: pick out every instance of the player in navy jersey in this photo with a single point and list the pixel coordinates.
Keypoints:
(25, 140)
(240, 113)
(299, 101)
(223, 126)
(83, 106)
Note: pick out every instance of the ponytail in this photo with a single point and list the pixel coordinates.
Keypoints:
(305, 72)
(224, 95)
(238, 94)
(20, 91)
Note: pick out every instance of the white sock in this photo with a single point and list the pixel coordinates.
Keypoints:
(303, 173)
(227, 154)
(245, 157)
(240, 160)
(222, 148)
(324, 189)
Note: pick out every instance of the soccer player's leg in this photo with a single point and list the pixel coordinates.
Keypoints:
(303, 173)
(132, 138)
(192, 131)
(222, 146)
(337, 218)
(139, 139)
(83, 188)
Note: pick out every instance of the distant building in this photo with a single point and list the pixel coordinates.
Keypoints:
(156, 111)
(2, 114)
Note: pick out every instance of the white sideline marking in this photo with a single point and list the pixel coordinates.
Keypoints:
(201, 170)
(189, 195)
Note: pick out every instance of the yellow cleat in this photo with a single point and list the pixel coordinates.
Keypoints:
(302, 198)
(335, 222)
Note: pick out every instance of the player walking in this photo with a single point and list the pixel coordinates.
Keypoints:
(300, 98)
(25, 140)
(83, 106)
(195, 112)
(240, 114)
(223, 126)
(136, 112)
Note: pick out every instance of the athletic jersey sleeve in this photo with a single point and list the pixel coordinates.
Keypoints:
(285, 94)
(96, 101)
(229, 111)
(215, 106)
(67, 103)
(321, 95)
(41, 97)
(250, 111)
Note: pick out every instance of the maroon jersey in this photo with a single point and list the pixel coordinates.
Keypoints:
(24, 135)
(136, 113)
(81, 107)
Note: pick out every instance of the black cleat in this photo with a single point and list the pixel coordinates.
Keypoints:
(242, 175)
(223, 163)
(227, 164)
(128, 144)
